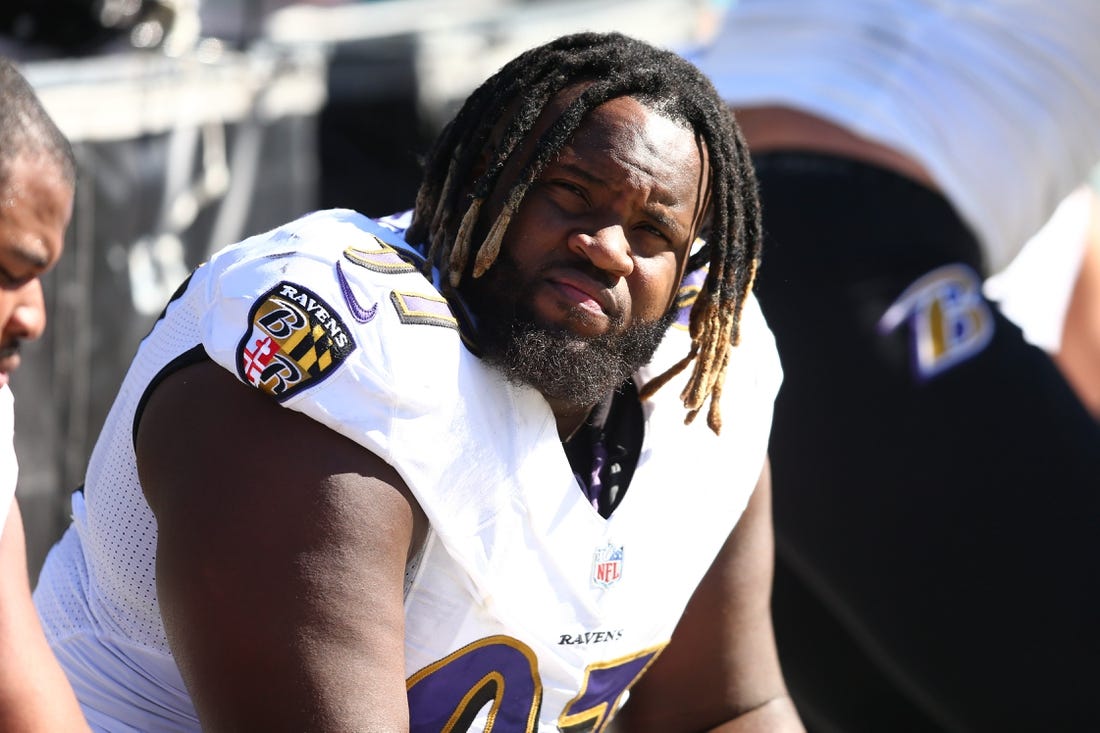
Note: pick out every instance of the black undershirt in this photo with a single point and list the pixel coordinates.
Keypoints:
(614, 428)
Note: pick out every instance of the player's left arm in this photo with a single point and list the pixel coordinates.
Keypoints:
(721, 670)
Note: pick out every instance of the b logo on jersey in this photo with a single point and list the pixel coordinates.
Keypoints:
(607, 566)
(949, 320)
(294, 340)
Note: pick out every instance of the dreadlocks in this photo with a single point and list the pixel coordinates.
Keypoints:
(449, 201)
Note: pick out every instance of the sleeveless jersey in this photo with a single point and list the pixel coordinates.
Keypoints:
(525, 604)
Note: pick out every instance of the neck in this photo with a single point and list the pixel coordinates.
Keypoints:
(569, 417)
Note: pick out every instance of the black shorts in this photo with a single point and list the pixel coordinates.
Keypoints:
(936, 480)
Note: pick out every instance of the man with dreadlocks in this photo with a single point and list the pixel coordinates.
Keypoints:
(475, 514)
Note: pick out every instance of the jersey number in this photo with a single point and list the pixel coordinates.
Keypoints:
(503, 672)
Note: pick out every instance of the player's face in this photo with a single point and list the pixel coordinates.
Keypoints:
(582, 291)
(602, 237)
(35, 206)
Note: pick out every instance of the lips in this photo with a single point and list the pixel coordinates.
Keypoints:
(583, 290)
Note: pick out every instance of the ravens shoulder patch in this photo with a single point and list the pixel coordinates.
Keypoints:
(294, 340)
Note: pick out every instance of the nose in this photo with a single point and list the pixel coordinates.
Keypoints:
(28, 318)
(607, 248)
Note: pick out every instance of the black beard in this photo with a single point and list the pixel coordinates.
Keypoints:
(567, 367)
(557, 362)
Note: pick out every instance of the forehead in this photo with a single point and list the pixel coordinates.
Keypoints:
(624, 108)
(626, 120)
(636, 143)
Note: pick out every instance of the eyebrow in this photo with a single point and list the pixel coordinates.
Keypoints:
(659, 216)
(667, 222)
(577, 171)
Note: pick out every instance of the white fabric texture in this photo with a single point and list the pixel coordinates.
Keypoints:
(1035, 289)
(9, 466)
(997, 99)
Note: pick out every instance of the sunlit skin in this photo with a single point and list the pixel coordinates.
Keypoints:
(601, 239)
(36, 204)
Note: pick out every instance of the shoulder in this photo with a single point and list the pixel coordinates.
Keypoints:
(314, 291)
(754, 360)
(737, 453)
(331, 315)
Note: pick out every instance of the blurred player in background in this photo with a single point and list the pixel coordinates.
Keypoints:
(936, 478)
(37, 176)
(1052, 290)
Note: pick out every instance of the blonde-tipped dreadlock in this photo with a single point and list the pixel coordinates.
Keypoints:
(471, 152)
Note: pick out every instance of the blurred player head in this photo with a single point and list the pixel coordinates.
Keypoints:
(37, 175)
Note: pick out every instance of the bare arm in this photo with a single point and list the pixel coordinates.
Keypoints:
(34, 693)
(721, 670)
(1079, 352)
(280, 560)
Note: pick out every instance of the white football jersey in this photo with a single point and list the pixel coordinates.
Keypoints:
(525, 604)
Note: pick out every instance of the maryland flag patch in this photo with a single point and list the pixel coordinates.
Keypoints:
(294, 341)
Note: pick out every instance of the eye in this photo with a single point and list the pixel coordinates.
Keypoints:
(10, 281)
(654, 230)
(570, 189)
(653, 238)
(7, 280)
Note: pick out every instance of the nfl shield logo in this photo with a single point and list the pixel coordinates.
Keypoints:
(607, 566)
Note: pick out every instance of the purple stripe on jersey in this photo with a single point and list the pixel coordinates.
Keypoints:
(593, 485)
(426, 306)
